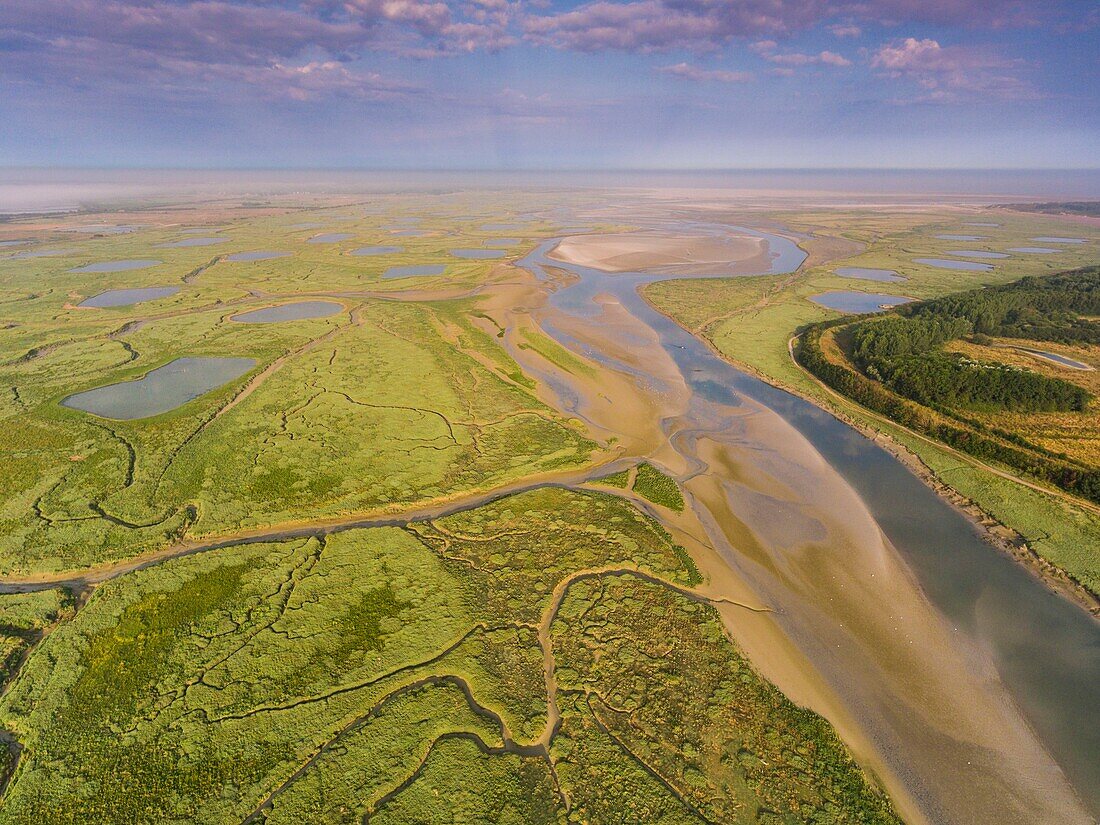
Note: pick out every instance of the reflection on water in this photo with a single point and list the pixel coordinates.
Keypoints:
(947, 263)
(160, 390)
(289, 312)
(1045, 649)
(125, 297)
(259, 255)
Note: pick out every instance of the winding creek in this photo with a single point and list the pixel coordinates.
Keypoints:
(970, 680)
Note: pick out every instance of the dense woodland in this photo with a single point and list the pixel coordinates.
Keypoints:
(904, 352)
(900, 341)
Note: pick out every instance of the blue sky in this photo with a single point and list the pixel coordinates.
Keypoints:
(549, 84)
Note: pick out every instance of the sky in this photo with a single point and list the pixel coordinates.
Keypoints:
(550, 84)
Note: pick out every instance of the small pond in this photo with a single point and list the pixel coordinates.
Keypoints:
(1034, 250)
(259, 255)
(414, 270)
(960, 237)
(376, 250)
(976, 223)
(858, 302)
(289, 312)
(1056, 239)
(501, 227)
(503, 242)
(125, 297)
(117, 266)
(1057, 359)
(160, 390)
(865, 274)
(410, 233)
(976, 253)
(944, 263)
(478, 254)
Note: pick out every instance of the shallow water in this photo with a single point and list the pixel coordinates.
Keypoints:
(1034, 250)
(503, 242)
(409, 233)
(161, 389)
(975, 223)
(960, 237)
(501, 227)
(44, 253)
(414, 270)
(976, 253)
(259, 255)
(125, 297)
(946, 263)
(865, 274)
(376, 250)
(117, 266)
(331, 237)
(1055, 239)
(105, 229)
(186, 242)
(858, 302)
(4, 244)
(289, 312)
(1055, 357)
(1045, 650)
(478, 254)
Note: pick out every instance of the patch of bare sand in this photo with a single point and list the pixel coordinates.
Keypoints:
(662, 252)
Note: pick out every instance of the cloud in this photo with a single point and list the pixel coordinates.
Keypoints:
(686, 71)
(948, 74)
(646, 26)
(767, 50)
(841, 30)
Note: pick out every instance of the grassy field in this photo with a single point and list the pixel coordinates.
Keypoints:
(402, 675)
(546, 657)
(750, 320)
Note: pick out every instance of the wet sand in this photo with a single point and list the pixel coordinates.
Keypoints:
(771, 522)
(660, 252)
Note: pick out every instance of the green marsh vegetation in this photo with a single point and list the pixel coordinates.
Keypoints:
(386, 673)
(650, 483)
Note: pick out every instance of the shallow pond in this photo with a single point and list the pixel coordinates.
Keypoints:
(976, 253)
(193, 242)
(478, 254)
(125, 297)
(160, 390)
(960, 237)
(503, 242)
(305, 226)
(1056, 239)
(858, 302)
(944, 263)
(11, 243)
(1034, 250)
(409, 233)
(414, 270)
(331, 237)
(865, 274)
(976, 223)
(259, 255)
(500, 227)
(289, 312)
(1057, 359)
(376, 250)
(117, 266)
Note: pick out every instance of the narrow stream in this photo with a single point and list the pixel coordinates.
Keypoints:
(1045, 650)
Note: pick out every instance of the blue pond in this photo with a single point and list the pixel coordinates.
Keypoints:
(858, 302)
(160, 390)
(1034, 250)
(414, 270)
(478, 254)
(1056, 239)
(289, 312)
(944, 263)
(960, 237)
(976, 253)
(116, 266)
(125, 297)
(376, 250)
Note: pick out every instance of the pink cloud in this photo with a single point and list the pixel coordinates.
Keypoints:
(951, 73)
(686, 71)
(767, 50)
